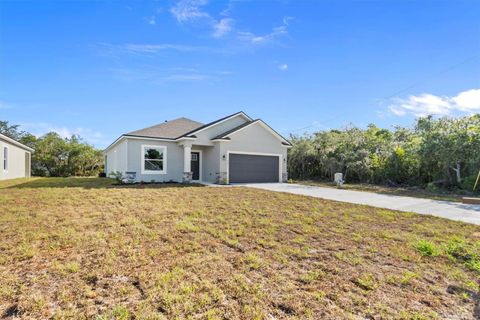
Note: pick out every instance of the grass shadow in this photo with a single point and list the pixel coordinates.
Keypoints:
(85, 183)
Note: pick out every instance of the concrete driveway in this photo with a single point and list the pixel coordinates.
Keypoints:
(445, 209)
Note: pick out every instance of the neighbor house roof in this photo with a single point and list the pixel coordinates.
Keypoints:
(14, 142)
(168, 130)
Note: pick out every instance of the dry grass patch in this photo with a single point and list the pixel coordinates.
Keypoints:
(82, 249)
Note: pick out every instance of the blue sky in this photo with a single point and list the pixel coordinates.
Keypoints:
(103, 68)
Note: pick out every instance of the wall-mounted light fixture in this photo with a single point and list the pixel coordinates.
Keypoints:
(224, 157)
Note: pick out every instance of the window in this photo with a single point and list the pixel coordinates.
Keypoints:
(5, 158)
(154, 159)
(194, 157)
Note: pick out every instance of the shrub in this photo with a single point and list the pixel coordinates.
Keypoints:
(431, 187)
(426, 248)
(117, 175)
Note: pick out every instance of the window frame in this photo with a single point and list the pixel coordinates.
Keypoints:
(5, 158)
(158, 147)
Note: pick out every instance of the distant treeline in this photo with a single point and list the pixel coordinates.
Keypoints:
(442, 152)
(56, 156)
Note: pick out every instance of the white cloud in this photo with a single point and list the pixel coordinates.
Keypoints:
(429, 104)
(151, 20)
(222, 27)
(286, 20)
(154, 48)
(187, 77)
(150, 49)
(468, 101)
(154, 75)
(283, 67)
(259, 39)
(186, 10)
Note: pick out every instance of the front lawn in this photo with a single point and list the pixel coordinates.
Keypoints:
(84, 248)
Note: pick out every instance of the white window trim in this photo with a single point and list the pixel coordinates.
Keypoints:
(5, 162)
(200, 158)
(280, 162)
(164, 171)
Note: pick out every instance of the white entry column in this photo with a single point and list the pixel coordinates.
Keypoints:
(187, 164)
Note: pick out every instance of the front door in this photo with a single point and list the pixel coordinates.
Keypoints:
(195, 166)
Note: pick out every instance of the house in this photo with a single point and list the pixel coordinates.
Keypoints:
(15, 159)
(233, 149)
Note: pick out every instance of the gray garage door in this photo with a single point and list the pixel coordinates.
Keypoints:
(253, 168)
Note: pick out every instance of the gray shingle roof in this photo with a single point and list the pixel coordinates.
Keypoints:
(169, 130)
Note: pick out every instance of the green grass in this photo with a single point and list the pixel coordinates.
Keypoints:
(84, 248)
(426, 248)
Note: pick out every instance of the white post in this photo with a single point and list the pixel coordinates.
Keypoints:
(187, 165)
(187, 157)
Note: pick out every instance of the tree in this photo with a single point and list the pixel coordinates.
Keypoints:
(11, 131)
(436, 150)
(56, 156)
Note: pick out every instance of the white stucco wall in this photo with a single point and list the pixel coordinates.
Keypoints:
(174, 163)
(212, 156)
(126, 156)
(17, 167)
(117, 158)
(211, 163)
(204, 137)
(254, 139)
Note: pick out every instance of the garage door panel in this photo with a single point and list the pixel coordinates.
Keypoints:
(253, 168)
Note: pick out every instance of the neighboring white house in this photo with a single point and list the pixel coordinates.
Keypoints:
(15, 159)
(229, 150)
